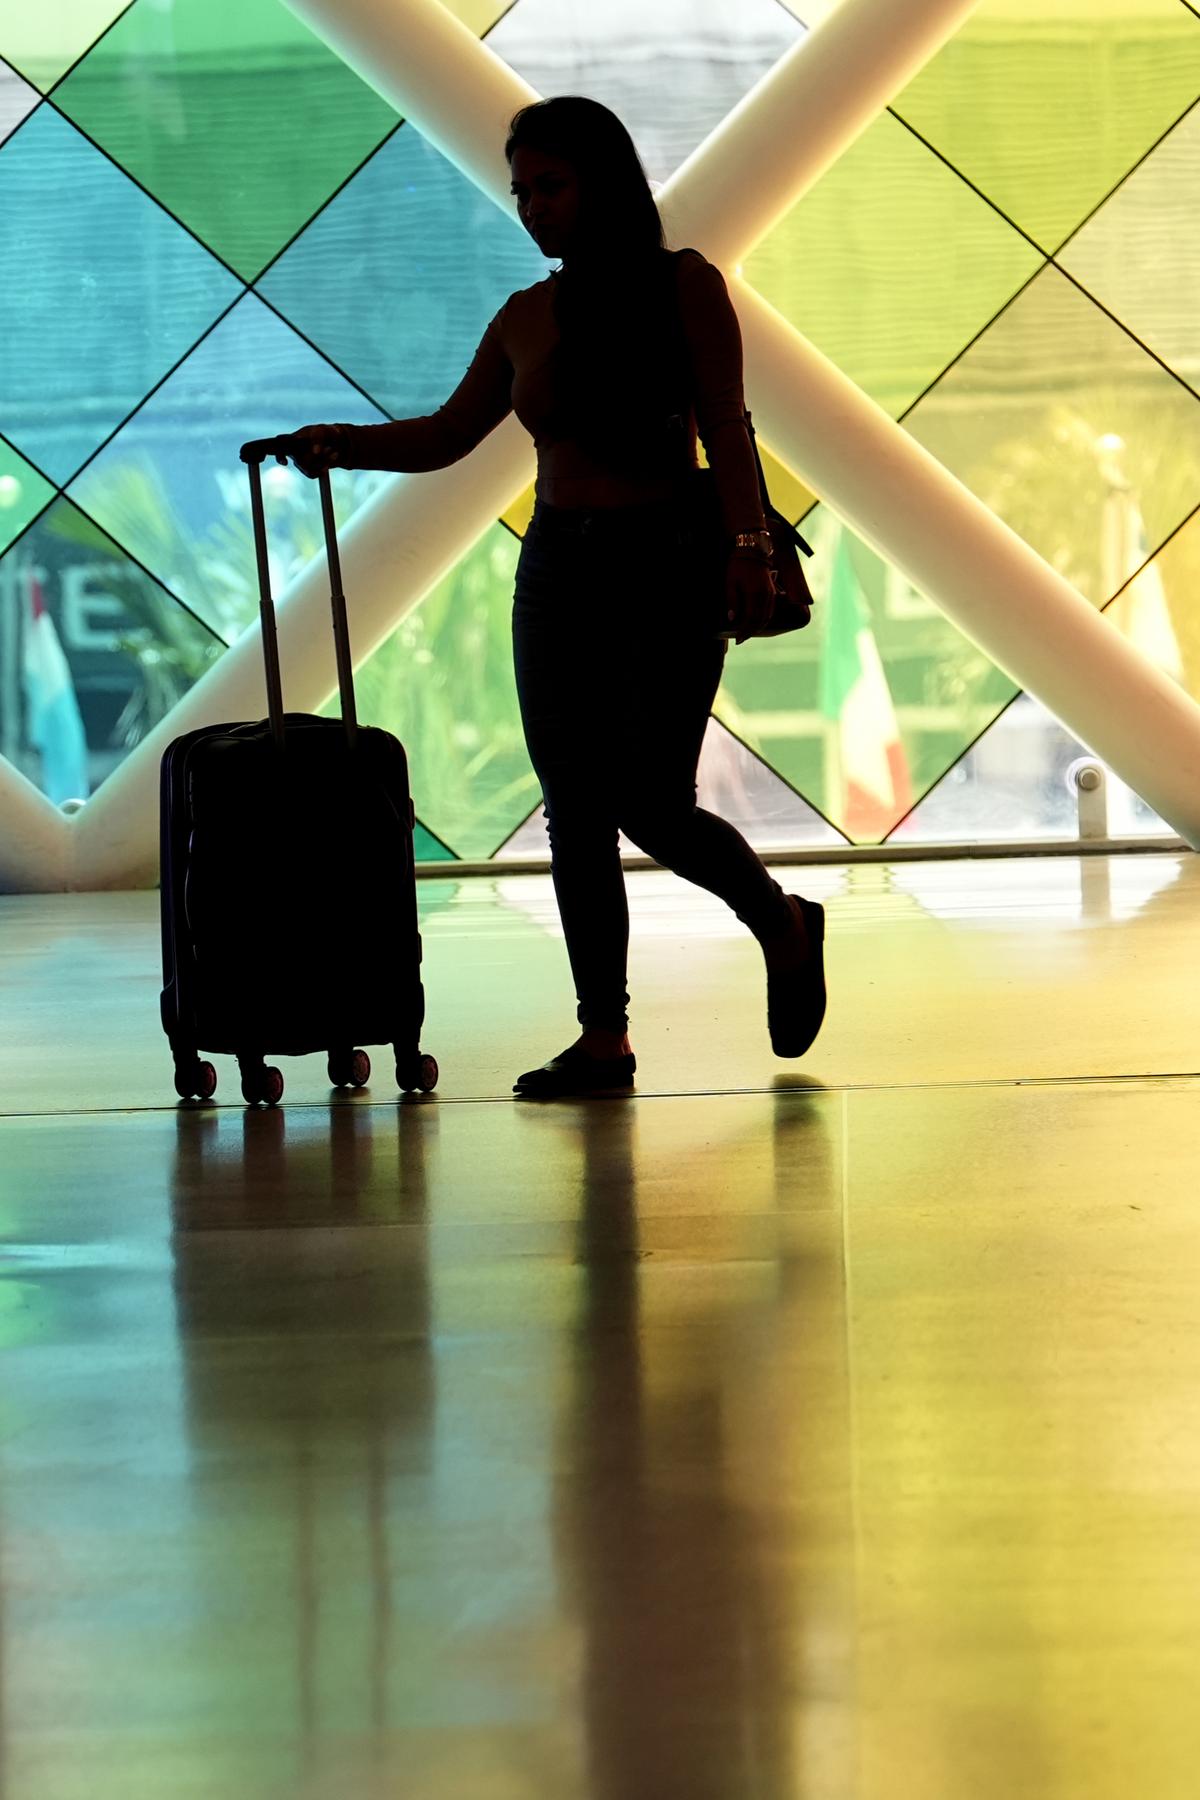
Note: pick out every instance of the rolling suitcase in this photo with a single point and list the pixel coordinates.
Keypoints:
(289, 901)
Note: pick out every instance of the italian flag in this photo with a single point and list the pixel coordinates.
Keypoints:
(867, 786)
(53, 723)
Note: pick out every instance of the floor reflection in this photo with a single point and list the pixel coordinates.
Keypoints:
(699, 1512)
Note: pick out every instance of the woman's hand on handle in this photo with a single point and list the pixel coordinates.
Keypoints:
(315, 448)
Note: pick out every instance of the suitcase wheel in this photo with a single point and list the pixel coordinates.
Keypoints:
(195, 1080)
(421, 1073)
(262, 1086)
(349, 1068)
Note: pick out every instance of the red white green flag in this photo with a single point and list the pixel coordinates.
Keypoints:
(868, 789)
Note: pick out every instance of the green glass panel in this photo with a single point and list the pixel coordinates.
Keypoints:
(43, 41)
(1140, 254)
(427, 848)
(890, 264)
(443, 682)
(232, 113)
(104, 653)
(1046, 104)
(731, 782)
(865, 710)
(23, 493)
(1031, 417)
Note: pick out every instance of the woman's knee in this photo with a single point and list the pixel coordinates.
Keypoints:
(575, 829)
(656, 826)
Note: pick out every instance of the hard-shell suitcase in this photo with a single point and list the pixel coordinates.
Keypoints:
(289, 901)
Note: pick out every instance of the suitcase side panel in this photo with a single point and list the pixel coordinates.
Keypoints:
(289, 895)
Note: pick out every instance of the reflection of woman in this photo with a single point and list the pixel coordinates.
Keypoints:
(615, 673)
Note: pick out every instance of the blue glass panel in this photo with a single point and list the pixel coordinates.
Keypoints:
(111, 292)
(171, 487)
(104, 653)
(398, 277)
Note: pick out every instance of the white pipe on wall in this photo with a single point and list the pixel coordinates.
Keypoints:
(436, 73)
(35, 838)
(795, 123)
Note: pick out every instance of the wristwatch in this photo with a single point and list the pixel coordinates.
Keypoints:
(755, 540)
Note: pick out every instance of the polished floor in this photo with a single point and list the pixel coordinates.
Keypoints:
(822, 1430)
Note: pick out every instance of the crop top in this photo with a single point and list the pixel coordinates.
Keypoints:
(512, 371)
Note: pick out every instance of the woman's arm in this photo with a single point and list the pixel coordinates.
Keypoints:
(714, 342)
(482, 398)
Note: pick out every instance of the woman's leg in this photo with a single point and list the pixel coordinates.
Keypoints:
(564, 697)
(657, 807)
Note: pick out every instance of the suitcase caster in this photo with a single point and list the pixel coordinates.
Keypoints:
(195, 1080)
(421, 1073)
(349, 1068)
(261, 1085)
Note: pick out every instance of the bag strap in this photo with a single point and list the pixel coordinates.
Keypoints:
(677, 418)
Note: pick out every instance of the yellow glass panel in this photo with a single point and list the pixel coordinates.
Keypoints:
(43, 41)
(1140, 254)
(788, 493)
(1046, 104)
(478, 15)
(890, 264)
(1157, 610)
(520, 512)
(1054, 411)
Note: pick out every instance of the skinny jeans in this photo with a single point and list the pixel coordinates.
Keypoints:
(616, 676)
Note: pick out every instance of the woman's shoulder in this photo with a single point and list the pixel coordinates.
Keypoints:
(694, 266)
(701, 282)
(696, 275)
(529, 299)
(525, 307)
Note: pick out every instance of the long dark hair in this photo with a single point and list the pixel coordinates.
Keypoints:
(618, 364)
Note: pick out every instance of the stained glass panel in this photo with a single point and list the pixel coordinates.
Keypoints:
(890, 264)
(111, 293)
(443, 682)
(104, 653)
(232, 113)
(1046, 104)
(398, 277)
(171, 488)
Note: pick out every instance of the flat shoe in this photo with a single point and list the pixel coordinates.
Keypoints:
(575, 1072)
(796, 998)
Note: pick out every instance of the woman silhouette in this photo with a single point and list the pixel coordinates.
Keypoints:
(603, 362)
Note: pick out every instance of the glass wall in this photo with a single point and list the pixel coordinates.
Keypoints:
(214, 229)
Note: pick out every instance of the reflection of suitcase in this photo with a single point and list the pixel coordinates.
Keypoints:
(289, 902)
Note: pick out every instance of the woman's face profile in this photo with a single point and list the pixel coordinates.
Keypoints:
(547, 191)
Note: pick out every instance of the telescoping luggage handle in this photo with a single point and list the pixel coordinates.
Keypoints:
(254, 454)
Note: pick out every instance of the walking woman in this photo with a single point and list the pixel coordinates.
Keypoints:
(613, 363)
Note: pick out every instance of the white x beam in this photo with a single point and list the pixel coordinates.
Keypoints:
(772, 147)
